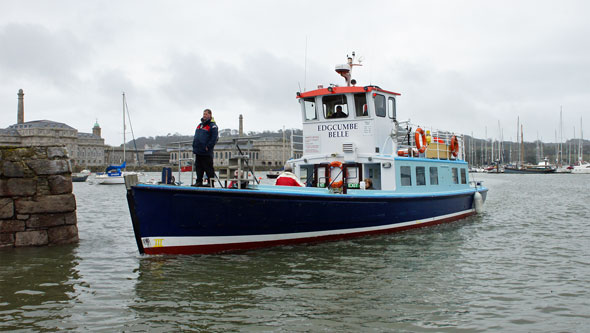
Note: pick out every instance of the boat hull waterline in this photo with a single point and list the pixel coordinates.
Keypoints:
(230, 220)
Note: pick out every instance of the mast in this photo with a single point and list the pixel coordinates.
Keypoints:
(581, 147)
(556, 149)
(538, 157)
(124, 151)
(560, 136)
(486, 147)
(522, 146)
(517, 140)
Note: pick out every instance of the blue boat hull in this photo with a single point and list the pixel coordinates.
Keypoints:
(174, 220)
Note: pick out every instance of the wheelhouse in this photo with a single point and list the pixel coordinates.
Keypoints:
(355, 130)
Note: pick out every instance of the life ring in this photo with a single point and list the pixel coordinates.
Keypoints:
(420, 135)
(454, 146)
(338, 184)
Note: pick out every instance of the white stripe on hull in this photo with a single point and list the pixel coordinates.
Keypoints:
(156, 242)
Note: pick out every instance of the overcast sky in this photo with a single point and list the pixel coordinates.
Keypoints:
(459, 65)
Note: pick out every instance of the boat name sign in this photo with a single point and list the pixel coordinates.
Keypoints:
(338, 130)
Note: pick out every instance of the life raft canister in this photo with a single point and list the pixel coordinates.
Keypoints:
(407, 152)
(338, 184)
(454, 146)
(421, 145)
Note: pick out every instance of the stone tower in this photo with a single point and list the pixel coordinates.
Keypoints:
(241, 131)
(20, 116)
(96, 129)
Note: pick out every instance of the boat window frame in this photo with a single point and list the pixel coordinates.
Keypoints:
(391, 108)
(433, 175)
(380, 111)
(421, 176)
(405, 174)
(305, 108)
(359, 107)
(463, 176)
(332, 108)
(455, 174)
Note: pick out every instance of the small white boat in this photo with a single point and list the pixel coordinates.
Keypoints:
(114, 175)
(582, 168)
(79, 177)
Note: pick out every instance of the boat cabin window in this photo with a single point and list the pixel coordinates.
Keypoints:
(306, 175)
(463, 176)
(455, 176)
(433, 176)
(380, 107)
(360, 105)
(406, 175)
(335, 106)
(309, 109)
(391, 108)
(420, 176)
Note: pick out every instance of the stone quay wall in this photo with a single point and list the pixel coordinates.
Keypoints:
(37, 206)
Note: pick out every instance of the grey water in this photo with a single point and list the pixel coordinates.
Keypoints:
(521, 266)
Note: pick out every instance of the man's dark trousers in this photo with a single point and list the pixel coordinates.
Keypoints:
(204, 164)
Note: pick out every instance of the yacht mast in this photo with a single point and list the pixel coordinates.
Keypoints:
(518, 140)
(581, 147)
(522, 146)
(124, 128)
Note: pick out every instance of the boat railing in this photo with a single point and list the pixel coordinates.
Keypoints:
(432, 143)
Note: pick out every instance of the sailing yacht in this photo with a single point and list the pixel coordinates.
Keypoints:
(115, 174)
(581, 167)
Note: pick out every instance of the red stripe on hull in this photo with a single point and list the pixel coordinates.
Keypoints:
(217, 248)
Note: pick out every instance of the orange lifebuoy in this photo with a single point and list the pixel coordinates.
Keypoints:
(454, 146)
(420, 135)
(338, 184)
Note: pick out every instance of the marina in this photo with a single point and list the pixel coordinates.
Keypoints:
(521, 265)
(370, 167)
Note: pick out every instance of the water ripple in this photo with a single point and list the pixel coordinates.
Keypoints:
(521, 266)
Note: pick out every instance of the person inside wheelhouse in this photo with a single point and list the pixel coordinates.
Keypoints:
(335, 107)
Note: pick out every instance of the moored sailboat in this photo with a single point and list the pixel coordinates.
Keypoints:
(114, 174)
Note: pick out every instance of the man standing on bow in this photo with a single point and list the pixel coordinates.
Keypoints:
(203, 143)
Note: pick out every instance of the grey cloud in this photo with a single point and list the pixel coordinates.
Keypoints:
(261, 79)
(36, 52)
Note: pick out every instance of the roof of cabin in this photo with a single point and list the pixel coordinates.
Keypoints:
(342, 90)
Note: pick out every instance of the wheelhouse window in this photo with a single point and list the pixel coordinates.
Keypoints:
(463, 176)
(455, 176)
(309, 109)
(420, 176)
(380, 107)
(360, 105)
(391, 108)
(406, 175)
(335, 106)
(433, 176)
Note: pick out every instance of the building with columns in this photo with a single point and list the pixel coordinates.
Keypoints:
(84, 149)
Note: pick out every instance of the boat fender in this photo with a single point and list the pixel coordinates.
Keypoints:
(338, 184)
(478, 202)
(454, 146)
(420, 139)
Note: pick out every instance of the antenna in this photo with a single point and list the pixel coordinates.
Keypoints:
(345, 70)
(305, 67)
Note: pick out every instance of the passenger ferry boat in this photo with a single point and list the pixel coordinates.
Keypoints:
(351, 134)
